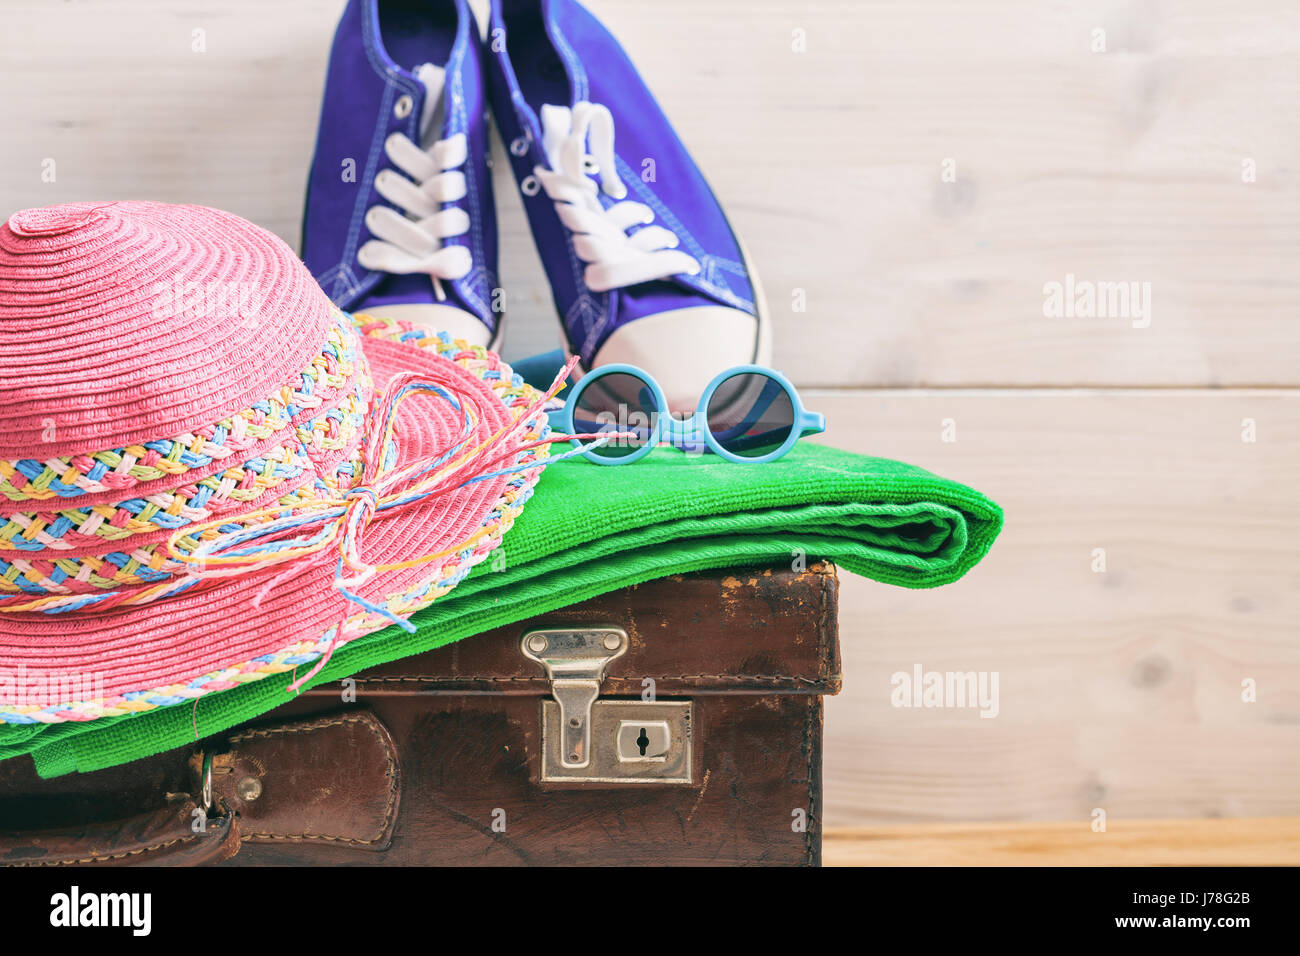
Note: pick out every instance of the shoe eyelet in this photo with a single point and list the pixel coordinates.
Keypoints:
(402, 108)
(530, 186)
(589, 166)
(519, 147)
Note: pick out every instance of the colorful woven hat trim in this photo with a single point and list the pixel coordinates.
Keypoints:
(312, 459)
(335, 430)
(147, 563)
(118, 469)
(450, 568)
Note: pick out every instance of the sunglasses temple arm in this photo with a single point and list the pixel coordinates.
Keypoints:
(812, 423)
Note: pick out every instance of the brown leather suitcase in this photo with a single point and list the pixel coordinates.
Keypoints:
(675, 722)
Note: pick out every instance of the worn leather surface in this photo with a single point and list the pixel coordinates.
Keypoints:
(755, 651)
(765, 630)
(474, 760)
(163, 837)
(333, 779)
(436, 760)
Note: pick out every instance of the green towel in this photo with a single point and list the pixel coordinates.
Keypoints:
(591, 529)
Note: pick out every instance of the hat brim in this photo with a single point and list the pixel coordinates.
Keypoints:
(85, 665)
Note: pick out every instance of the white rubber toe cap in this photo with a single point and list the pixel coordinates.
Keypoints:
(684, 349)
(434, 318)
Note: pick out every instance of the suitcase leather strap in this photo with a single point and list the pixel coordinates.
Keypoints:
(331, 779)
(176, 835)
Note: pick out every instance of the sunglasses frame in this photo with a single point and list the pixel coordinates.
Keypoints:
(692, 431)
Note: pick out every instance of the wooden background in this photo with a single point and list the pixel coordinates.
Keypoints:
(1119, 690)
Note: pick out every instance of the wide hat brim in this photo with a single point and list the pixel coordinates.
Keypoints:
(85, 665)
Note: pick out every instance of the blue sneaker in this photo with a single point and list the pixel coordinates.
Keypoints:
(399, 219)
(643, 265)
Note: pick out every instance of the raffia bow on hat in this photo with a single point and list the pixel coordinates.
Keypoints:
(260, 539)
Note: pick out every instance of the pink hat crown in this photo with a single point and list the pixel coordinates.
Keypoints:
(132, 321)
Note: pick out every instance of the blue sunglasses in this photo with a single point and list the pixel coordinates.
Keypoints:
(747, 414)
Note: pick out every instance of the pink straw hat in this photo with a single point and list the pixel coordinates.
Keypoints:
(208, 474)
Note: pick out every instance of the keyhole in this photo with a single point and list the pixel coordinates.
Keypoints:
(643, 741)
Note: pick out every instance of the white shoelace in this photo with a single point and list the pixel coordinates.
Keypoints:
(614, 257)
(413, 243)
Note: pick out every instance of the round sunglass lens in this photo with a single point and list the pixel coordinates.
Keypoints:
(616, 402)
(750, 414)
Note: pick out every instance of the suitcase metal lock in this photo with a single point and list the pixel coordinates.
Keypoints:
(589, 740)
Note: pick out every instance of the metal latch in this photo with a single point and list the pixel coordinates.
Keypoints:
(575, 662)
(588, 740)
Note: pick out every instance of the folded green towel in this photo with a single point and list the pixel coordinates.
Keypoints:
(591, 529)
